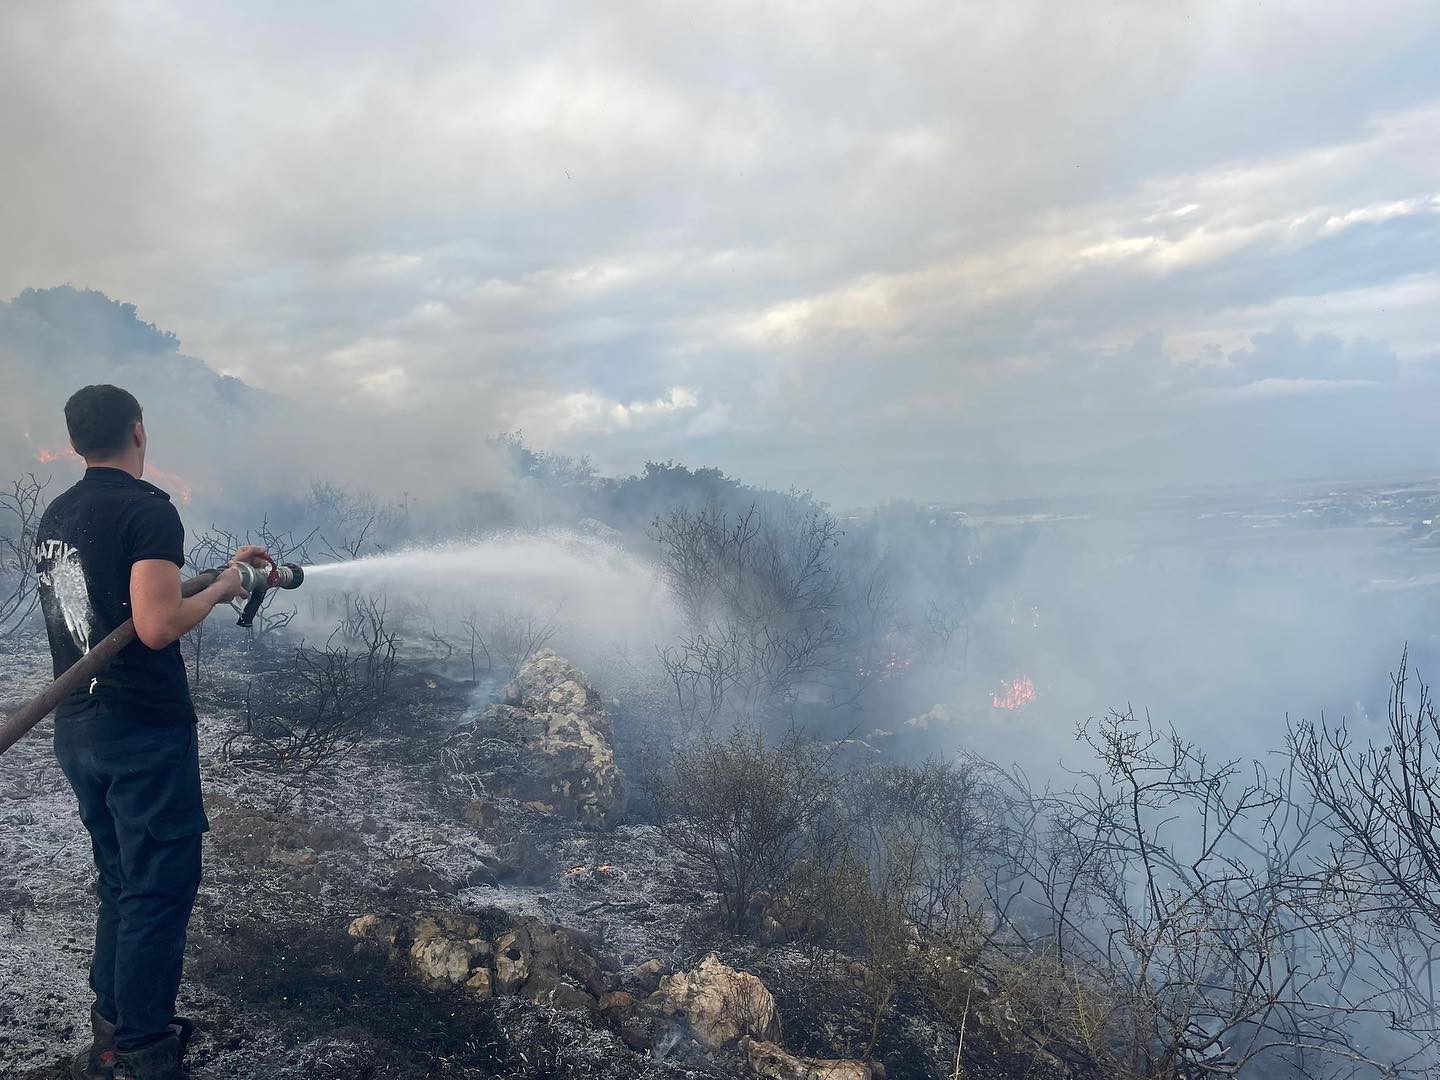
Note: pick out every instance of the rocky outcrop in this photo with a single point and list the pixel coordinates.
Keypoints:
(774, 1063)
(498, 955)
(535, 949)
(548, 743)
(451, 951)
(718, 1003)
(530, 959)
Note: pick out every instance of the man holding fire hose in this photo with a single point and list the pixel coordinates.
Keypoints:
(110, 549)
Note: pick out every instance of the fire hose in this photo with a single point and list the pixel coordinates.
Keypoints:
(257, 582)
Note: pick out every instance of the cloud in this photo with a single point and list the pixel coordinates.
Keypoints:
(924, 227)
(586, 413)
(1284, 353)
(1276, 387)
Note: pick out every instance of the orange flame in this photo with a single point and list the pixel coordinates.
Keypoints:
(174, 483)
(1015, 695)
(46, 454)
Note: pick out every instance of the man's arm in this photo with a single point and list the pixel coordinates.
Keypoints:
(162, 615)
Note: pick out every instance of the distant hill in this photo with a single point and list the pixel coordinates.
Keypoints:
(53, 341)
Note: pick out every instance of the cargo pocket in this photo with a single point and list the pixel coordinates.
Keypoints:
(166, 861)
(175, 824)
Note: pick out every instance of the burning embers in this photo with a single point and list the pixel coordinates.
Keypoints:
(604, 872)
(1013, 695)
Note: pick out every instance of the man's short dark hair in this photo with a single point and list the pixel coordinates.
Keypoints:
(100, 419)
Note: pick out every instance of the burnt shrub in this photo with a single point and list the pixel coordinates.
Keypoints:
(761, 599)
(312, 710)
(1381, 801)
(746, 809)
(896, 879)
(20, 508)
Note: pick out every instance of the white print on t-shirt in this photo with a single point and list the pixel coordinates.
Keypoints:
(66, 576)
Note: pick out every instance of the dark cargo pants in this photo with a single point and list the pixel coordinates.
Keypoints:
(139, 794)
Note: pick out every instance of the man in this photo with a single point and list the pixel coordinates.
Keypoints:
(110, 549)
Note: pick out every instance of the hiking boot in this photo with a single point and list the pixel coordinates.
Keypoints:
(183, 1030)
(155, 1061)
(97, 1061)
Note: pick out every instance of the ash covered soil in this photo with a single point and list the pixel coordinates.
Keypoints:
(282, 981)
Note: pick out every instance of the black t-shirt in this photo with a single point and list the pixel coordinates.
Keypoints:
(89, 538)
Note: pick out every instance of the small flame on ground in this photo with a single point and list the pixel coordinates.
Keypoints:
(1013, 695)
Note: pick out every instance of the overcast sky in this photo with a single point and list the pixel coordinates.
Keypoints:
(925, 249)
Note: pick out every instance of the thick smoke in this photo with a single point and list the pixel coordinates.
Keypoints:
(221, 446)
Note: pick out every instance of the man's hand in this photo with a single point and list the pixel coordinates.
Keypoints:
(228, 585)
(253, 554)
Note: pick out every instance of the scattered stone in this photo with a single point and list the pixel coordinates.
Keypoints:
(455, 925)
(617, 1001)
(647, 976)
(718, 1003)
(377, 928)
(414, 876)
(533, 947)
(549, 744)
(775, 1063)
(532, 959)
(512, 964)
(482, 813)
(305, 858)
(449, 951)
(637, 1031)
(256, 836)
(545, 988)
(442, 960)
(481, 984)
